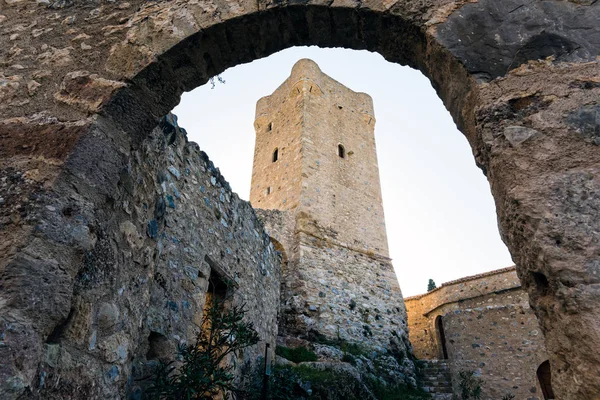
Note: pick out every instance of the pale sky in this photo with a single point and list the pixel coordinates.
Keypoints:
(439, 211)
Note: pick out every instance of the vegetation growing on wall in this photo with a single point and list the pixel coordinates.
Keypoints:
(334, 383)
(203, 370)
(297, 355)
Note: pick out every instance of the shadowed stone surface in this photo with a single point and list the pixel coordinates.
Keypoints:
(493, 37)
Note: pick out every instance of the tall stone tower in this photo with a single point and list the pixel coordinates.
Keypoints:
(315, 181)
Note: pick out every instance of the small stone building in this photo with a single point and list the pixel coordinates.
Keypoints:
(483, 323)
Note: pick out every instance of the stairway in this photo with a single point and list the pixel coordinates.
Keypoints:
(436, 379)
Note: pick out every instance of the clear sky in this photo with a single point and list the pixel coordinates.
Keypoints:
(440, 214)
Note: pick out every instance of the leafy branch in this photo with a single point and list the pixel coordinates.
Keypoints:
(203, 370)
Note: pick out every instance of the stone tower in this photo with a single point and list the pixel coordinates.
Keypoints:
(315, 180)
(315, 154)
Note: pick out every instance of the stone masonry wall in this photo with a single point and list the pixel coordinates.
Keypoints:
(346, 293)
(424, 308)
(140, 291)
(489, 328)
(337, 292)
(502, 344)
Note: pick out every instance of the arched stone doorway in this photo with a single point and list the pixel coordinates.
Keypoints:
(441, 338)
(545, 379)
(524, 102)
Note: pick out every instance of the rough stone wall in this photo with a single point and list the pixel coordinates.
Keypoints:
(310, 114)
(140, 289)
(424, 308)
(278, 125)
(78, 80)
(344, 292)
(336, 291)
(489, 328)
(502, 344)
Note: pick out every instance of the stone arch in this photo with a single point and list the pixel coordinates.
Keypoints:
(156, 86)
(523, 102)
(441, 338)
(341, 150)
(544, 377)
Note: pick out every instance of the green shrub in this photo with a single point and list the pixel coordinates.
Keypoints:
(470, 385)
(349, 358)
(283, 385)
(347, 347)
(383, 391)
(307, 382)
(204, 371)
(297, 355)
(329, 384)
(352, 348)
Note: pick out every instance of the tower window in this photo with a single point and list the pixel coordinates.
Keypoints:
(270, 127)
(275, 154)
(268, 191)
(341, 151)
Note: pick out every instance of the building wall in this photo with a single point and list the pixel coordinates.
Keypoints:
(489, 328)
(324, 290)
(423, 309)
(141, 292)
(309, 115)
(502, 344)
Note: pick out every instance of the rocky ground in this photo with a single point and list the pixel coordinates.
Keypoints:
(341, 370)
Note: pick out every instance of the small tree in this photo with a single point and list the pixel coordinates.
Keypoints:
(470, 385)
(204, 370)
(431, 285)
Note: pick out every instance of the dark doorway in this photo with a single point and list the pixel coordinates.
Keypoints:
(441, 337)
(545, 378)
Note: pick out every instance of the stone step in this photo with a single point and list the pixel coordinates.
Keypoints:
(441, 396)
(437, 382)
(436, 379)
(437, 385)
(442, 378)
(436, 373)
(429, 389)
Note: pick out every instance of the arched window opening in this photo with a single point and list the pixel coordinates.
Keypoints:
(545, 379)
(270, 127)
(275, 155)
(441, 338)
(341, 151)
(268, 191)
